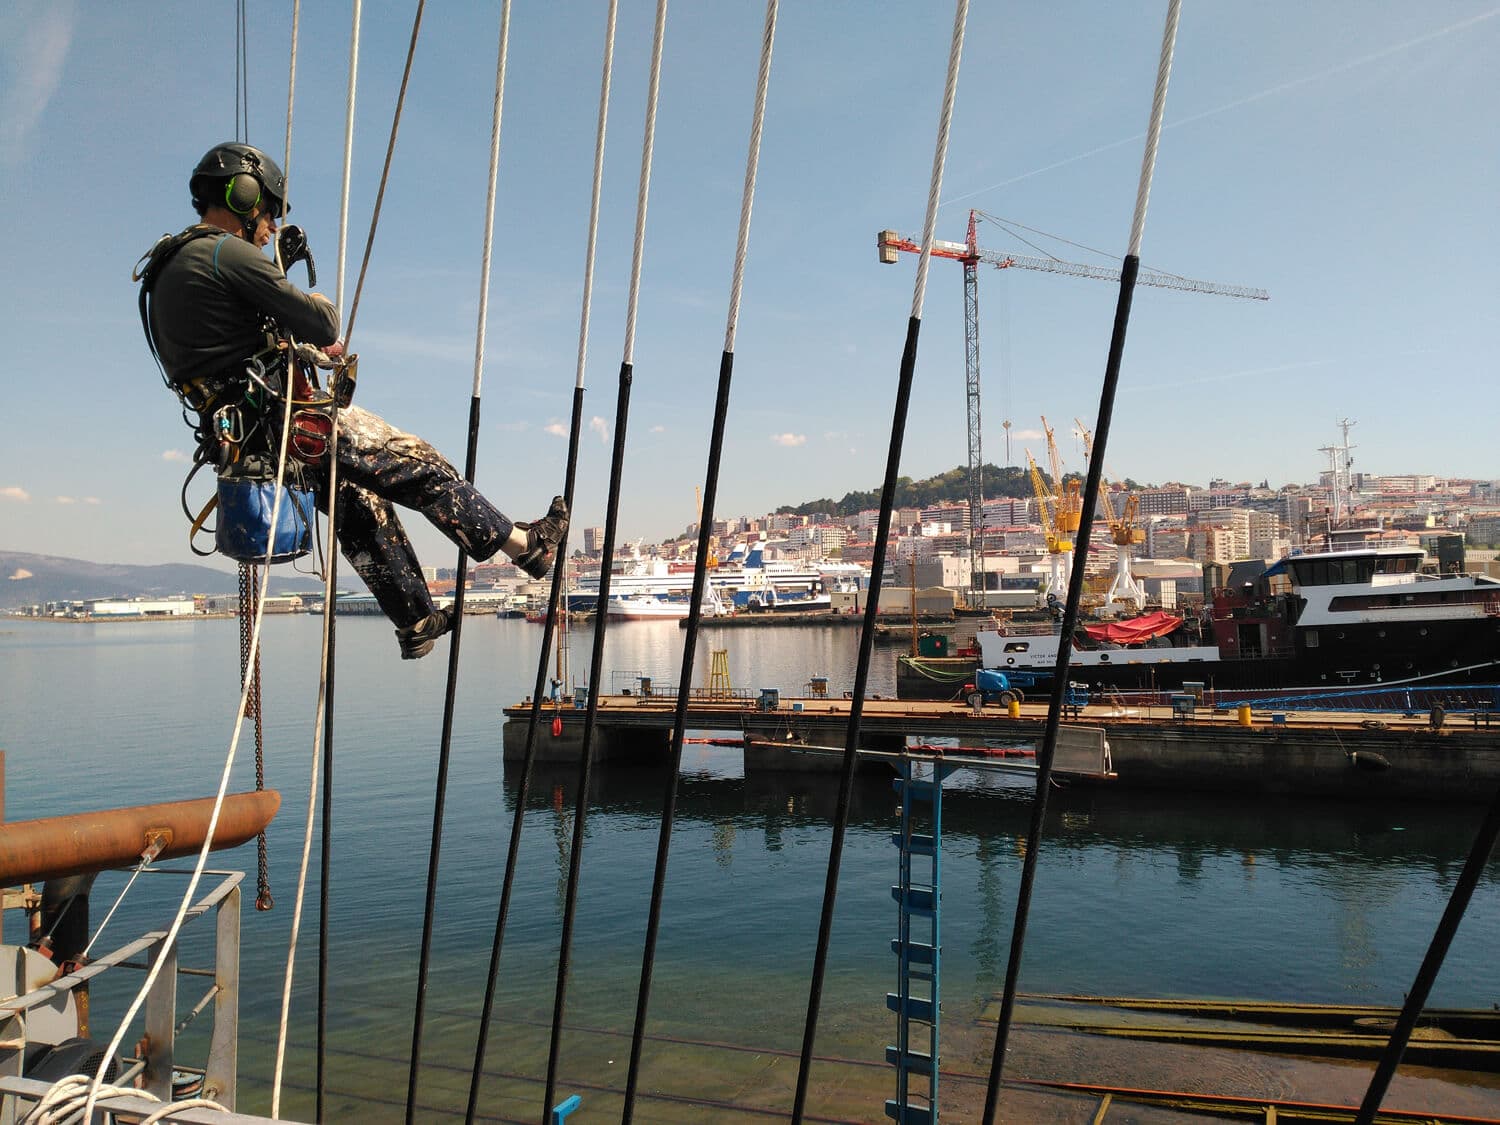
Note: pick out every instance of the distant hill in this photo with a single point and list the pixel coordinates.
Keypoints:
(951, 487)
(31, 579)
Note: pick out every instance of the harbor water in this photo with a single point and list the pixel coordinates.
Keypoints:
(1140, 895)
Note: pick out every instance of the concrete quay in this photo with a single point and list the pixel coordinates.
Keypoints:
(1324, 754)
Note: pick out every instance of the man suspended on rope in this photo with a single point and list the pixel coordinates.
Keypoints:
(220, 315)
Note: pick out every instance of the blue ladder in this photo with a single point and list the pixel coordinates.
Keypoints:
(917, 946)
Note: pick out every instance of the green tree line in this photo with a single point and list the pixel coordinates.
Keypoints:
(944, 488)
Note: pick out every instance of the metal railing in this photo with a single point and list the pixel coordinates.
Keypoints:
(151, 1069)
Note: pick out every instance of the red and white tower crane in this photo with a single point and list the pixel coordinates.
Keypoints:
(891, 245)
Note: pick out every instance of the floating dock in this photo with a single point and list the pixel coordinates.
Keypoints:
(1323, 754)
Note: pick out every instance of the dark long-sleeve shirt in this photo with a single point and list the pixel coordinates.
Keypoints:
(208, 305)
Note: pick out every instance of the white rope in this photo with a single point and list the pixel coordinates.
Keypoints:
(234, 743)
(186, 1103)
(249, 681)
(338, 293)
(66, 1098)
(593, 239)
(752, 166)
(68, 1094)
(1153, 131)
(489, 202)
(314, 775)
(940, 154)
(330, 597)
(644, 189)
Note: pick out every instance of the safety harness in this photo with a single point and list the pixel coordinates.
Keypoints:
(235, 420)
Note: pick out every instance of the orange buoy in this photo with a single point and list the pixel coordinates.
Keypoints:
(556, 726)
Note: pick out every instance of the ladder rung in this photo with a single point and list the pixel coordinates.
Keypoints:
(918, 1062)
(916, 1007)
(908, 1114)
(916, 843)
(915, 900)
(917, 952)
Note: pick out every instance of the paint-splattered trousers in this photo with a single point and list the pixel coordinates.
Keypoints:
(380, 466)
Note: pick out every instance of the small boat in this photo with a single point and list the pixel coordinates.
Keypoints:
(654, 607)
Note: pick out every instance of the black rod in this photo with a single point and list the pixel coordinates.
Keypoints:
(856, 713)
(523, 787)
(440, 796)
(1442, 938)
(325, 860)
(585, 753)
(1048, 749)
(679, 729)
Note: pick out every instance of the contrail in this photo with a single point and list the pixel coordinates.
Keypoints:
(37, 50)
(1228, 376)
(1280, 88)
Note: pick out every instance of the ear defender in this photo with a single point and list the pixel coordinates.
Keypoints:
(241, 193)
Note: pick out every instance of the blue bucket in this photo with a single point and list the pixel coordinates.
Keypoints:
(244, 532)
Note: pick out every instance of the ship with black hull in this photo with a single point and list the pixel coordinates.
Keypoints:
(1317, 622)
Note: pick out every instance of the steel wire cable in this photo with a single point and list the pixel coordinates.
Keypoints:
(700, 565)
(1046, 752)
(1432, 961)
(445, 744)
(877, 568)
(385, 173)
(523, 786)
(611, 522)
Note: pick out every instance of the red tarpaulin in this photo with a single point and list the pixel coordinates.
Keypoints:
(1136, 630)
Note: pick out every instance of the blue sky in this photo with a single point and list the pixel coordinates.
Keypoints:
(1343, 156)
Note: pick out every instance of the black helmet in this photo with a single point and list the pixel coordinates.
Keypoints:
(238, 177)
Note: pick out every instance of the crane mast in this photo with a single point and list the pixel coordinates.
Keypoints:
(890, 246)
(971, 398)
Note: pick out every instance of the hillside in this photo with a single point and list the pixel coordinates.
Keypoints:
(31, 579)
(945, 488)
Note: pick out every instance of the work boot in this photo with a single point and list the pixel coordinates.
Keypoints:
(417, 640)
(542, 538)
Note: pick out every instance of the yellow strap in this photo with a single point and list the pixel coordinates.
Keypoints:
(213, 502)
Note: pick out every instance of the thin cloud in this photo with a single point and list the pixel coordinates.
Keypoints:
(174, 455)
(15, 492)
(1248, 99)
(658, 429)
(64, 500)
(598, 425)
(789, 440)
(556, 429)
(35, 53)
(1025, 435)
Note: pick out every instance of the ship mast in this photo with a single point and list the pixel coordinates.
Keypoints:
(1341, 481)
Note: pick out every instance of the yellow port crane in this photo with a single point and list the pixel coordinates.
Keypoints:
(713, 540)
(890, 246)
(1059, 547)
(1124, 532)
(1069, 509)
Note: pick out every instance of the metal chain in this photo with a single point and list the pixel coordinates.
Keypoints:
(249, 589)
